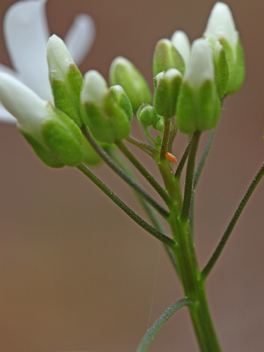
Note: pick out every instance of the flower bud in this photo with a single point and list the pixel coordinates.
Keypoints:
(221, 24)
(182, 44)
(65, 78)
(166, 92)
(147, 115)
(125, 74)
(166, 57)
(220, 65)
(55, 138)
(106, 119)
(198, 106)
(159, 126)
(90, 157)
(119, 96)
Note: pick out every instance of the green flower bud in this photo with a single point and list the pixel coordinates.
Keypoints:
(119, 96)
(159, 140)
(166, 57)
(147, 115)
(55, 138)
(159, 126)
(65, 78)
(107, 121)
(181, 43)
(198, 106)
(221, 24)
(90, 157)
(125, 74)
(166, 92)
(220, 65)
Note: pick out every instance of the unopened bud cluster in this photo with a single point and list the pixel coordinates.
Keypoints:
(190, 83)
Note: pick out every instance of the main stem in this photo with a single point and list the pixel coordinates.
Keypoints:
(192, 282)
(185, 256)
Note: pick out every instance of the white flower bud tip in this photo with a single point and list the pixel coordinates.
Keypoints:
(23, 104)
(200, 65)
(221, 24)
(181, 42)
(59, 58)
(94, 88)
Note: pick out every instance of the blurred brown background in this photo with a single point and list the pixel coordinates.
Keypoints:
(75, 272)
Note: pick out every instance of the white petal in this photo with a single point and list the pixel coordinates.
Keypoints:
(7, 69)
(59, 58)
(80, 37)
(221, 24)
(181, 42)
(23, 103)
(5, 116)
(200, 64)
(26, 34)
(94, 88)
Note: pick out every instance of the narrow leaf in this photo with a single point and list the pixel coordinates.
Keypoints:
(152, 331)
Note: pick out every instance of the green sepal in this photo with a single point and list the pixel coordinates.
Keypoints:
(147, 115)
(125, 74)
(90, 157)
(240, 67)
(236, 65)
(109, 123)
(221, 73)
(64, 138)
(43, 153)
(67, 94)
(197, 110)
(209, 107)
(166, 56)
(118, 95)
(166, 93)
(117, 118)
(98, 124)
(159, 125)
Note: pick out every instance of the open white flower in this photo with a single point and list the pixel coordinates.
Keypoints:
(26, 35)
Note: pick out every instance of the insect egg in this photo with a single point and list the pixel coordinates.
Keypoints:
(171, 157)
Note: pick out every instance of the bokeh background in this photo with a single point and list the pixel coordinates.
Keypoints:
(75, 272)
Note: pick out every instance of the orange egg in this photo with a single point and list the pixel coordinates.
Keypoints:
(171, 157)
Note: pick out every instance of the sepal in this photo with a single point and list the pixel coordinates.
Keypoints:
(166, 56)
(147, 115)
(167, 86)
(125, 74)
(107, 112)
(65, 78)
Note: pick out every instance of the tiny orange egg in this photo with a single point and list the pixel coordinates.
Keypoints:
(171, 157)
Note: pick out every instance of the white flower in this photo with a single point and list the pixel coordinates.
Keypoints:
(181, 42)
(222, 25)
(28, 108)
(94, 88)
(26, 35)
(200, 66)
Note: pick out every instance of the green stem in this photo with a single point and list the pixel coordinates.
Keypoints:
(204, 156)
(164, 195)
(166, 134)
(183, 160)
(193, 285)
(209, 266)
(149, 136)
(154, 219)
(188, 191)
(198, 172)
(172, 136)
(160, 236)
(163, 212)
(143, 146)
(189, 272)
